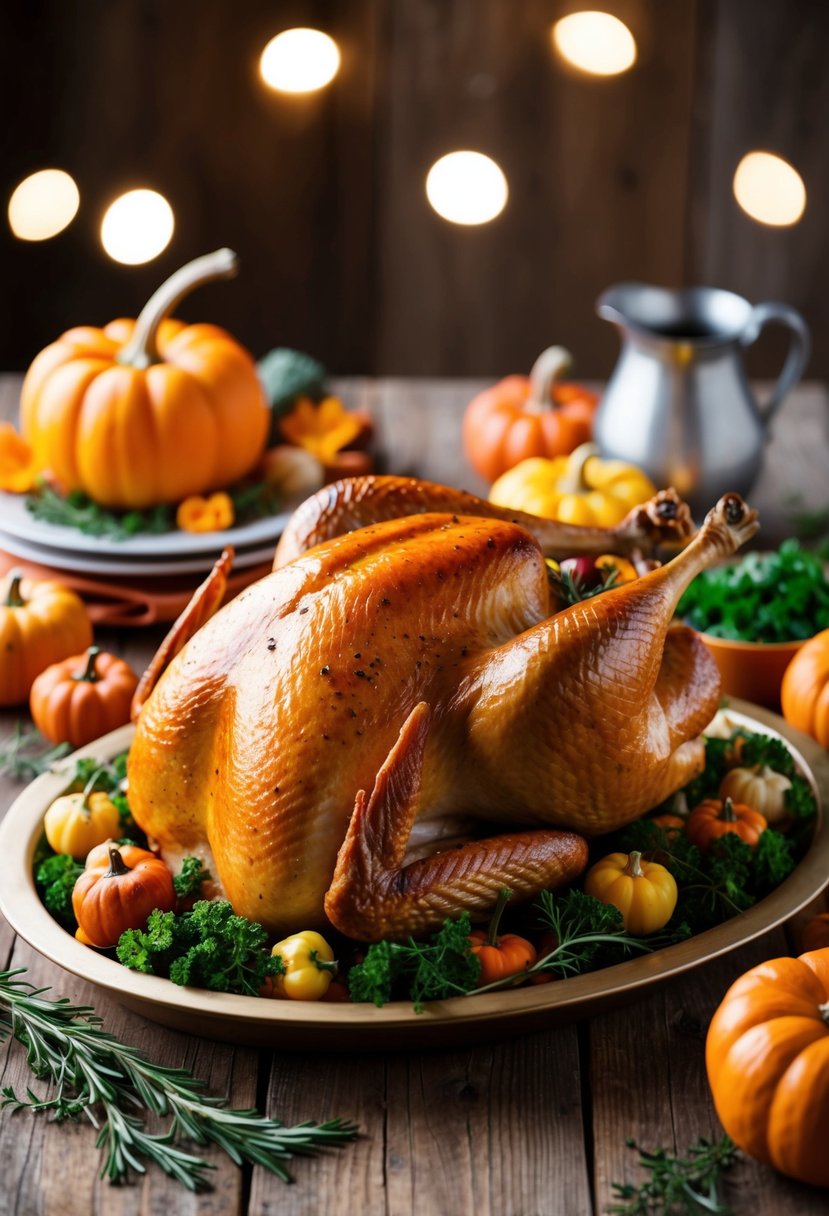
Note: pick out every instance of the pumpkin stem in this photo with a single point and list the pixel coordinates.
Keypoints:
(728, 811)
(89, 788)
(634, 866)
(117, 868)
(572, 480)
(323, 964)
(504, 896)
(13, 597)
(89, 675)
(549, 365)
(141, 350)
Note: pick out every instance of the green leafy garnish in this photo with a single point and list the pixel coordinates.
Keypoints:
(571, 589)
(210, 947)
(188, 882)
(25, 754)
(55, 878)
(287, 374)
(112, 1083)
(432, 970)
(678, 1186)
(762, 597)
(77, 510)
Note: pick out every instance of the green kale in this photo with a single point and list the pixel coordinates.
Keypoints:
(210, 947)
(772, 862)
(188, 881)
(440, 967)
(55, 879)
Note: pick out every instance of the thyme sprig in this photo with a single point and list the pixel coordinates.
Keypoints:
(25, 754)
(110, 1082)
(678, 1186)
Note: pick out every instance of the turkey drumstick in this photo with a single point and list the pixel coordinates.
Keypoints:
(356, 502)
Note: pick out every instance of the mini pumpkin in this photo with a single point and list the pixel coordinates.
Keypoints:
(759, 787)
(767, 1056)
(118, 890)
(76, 823)
(500, 955)
(524, 416)
(40, 623)
(576, 489)
(716, 817)
(644, 891)
(804, 693)
(148, 411)
(83, 697)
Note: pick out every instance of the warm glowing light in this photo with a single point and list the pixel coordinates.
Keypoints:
(43, 205)
(769, 189)
(467, 188)
(137, 226)
(299, 61)
(594, 42)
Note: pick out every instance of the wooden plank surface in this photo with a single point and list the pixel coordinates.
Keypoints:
(533, 1126)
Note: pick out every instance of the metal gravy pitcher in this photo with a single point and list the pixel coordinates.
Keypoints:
(678, 403)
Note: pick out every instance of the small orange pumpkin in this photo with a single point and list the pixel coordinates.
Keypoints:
(148, 411)
(767, 1055)
(804, 693)
(716, 817)
(40, 623)
(118, 890)
(524, 416)
(504, 955)
(83, 697)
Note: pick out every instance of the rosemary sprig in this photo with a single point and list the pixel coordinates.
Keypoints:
(24, 754)
(678, 1186)
(108, 1081)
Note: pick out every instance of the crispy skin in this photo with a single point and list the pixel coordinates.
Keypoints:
(264, 730)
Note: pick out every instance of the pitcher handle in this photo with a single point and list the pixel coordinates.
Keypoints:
(799, 349)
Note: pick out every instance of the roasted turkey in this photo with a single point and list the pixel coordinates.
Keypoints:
(348, 736)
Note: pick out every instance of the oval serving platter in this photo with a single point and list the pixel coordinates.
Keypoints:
(299, 1024)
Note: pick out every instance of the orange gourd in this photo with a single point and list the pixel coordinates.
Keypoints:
(148, 411)
(804, 693)
(40, 623)
(118, 890)
(500, 955)
(524, 416)
(716, 817)
(83, 697)
(767, 1055)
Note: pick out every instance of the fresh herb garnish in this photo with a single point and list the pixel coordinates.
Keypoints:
(55, 878)
(188, 882)
(440, 967)
(570, 589)
(25, 754)
(209, 947)
(678, 1186)
(763, 597)
(110, 1082)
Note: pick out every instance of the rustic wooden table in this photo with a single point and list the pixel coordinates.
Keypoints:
(533, 1125)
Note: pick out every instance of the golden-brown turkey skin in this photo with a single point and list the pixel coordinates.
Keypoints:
(289, 702)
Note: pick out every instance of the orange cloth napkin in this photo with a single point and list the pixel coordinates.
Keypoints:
(131, 601)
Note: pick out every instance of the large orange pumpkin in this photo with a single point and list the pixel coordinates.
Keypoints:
(148, 411)
(804, 694)
(767, 1055)
(525, 416)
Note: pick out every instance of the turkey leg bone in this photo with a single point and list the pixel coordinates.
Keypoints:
(604, 697)
(357, 502)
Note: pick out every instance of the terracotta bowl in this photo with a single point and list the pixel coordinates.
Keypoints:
(752, 671)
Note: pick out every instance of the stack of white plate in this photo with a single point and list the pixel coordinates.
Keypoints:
(170, 555)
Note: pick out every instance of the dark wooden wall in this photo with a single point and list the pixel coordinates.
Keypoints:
(323, 197)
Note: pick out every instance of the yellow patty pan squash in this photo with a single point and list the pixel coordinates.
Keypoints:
(149, 411)
(576, 489)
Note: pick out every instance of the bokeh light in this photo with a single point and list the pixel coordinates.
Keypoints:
(299, 61)
(137, 227)
(595, 42)
(467, 188)
(769, 189)
(43, 204)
